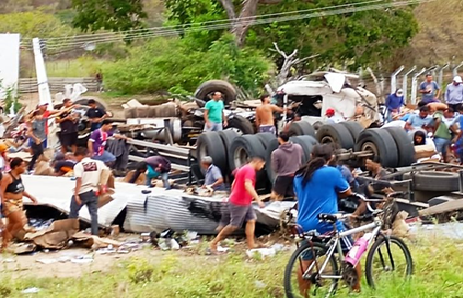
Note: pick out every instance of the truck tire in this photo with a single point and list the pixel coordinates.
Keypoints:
(301, 128)
(354, 128)
(228, 136)
(272, 146)
(381, 143)
(227, 90)
(317, 125)
(242, 124)
(306, 142)
(243, 149)
(210, 144)
(265, 139)
(437, 181)
(405, 146)
(337, 134)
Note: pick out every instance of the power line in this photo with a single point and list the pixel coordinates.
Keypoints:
(251, 22)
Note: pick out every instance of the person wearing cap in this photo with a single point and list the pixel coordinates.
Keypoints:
(454, 93)
(393, 104)
(430, 90)
(330, 118)
(214, 178)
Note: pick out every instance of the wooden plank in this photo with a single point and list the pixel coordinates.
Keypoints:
(448, 206)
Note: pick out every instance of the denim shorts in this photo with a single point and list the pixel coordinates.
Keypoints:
(106, 157)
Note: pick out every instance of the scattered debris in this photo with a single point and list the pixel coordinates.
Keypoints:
(83, 259)
(8, 260)
(30, 290)
(47, 261)
(260, 284)
(265, 252)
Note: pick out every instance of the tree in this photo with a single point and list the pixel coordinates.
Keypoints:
(356, 38)
(34, 24)
(114, 15)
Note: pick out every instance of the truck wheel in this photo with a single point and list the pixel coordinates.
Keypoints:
(242, 124)
(354, 128)
(301, 128)
(337, 134)
(227, 137)
(227, 90)
(437, 181)
(381, 143)
(266, 138)
(306, 142)
(243, 149)
(404, 144)
(210, 144)
(272, 146)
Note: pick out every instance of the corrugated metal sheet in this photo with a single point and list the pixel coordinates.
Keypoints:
(164, 209)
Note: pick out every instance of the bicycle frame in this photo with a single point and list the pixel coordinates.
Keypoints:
(335, 245)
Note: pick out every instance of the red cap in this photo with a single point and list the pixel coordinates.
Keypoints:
(330, 111)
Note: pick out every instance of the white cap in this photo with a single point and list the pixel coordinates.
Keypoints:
(400, 92)
(457, 79)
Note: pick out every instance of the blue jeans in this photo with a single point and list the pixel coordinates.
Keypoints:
(91, 200)
(164, 177)
(389, 116)
(95, 126)
(441, 145)
(214, 127)
(106, 157)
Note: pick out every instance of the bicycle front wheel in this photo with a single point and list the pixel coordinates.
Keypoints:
(384, 263)
(302, 271)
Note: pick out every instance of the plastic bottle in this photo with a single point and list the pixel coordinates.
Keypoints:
(357, 250)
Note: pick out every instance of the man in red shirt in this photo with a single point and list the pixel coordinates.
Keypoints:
(240, 203)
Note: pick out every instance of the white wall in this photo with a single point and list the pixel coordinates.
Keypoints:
(9, 61)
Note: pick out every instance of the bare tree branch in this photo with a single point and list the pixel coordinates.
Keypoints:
(248, 13)
(298, 61)
(229, 8)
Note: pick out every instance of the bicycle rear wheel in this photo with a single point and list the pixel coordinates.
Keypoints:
(383, 263)
(301, 272)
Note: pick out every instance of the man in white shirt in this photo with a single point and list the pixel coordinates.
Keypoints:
(87, 173)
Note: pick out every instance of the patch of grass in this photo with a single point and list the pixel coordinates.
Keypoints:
(437, 274)
(84, 66)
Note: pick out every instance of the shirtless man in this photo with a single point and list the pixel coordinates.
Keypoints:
(264, 115)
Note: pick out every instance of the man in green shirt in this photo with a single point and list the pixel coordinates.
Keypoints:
(442, 136)
(214, 115)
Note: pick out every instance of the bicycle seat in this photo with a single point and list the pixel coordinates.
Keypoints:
(327, 218)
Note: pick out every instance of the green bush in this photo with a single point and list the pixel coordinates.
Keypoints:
(173, 65)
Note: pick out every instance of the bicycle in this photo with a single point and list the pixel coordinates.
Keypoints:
(327, 245)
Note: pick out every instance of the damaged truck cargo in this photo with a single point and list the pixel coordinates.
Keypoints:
(135, 211)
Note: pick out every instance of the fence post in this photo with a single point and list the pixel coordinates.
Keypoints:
(394, 78)
(441, 74)
(415, 85)
(405, 83)
(455, 70)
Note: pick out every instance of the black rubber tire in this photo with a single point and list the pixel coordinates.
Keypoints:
(405, 146)
(385, 148)
(437, 181)
(210, 144)
(265, 139)
(228, 136)
(306, 142)
(371, 252)
(301, 128)
(272, 146)
(241, 123)
(227, 90)
(320, 249)
(354, 128)
(337, 134)
(317, 125)
(244, 146)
